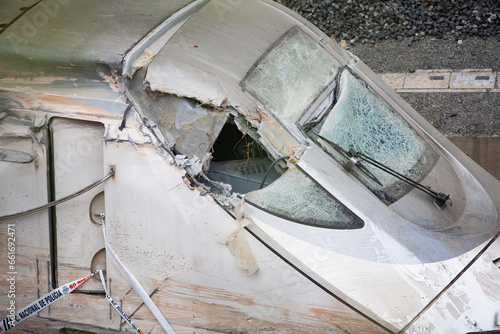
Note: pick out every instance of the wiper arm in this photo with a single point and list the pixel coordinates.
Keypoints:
(354, 158)
(439, 197)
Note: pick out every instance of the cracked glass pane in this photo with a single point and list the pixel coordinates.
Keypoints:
(292, 74)
(296, 197)
(362, 121)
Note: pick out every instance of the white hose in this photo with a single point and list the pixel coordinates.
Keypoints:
(136, 285)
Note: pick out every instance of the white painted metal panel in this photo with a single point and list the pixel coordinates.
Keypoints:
(471, 304)
(53, 29)
(78, 162)
(23, 186)
(11, 9)
(166, 235)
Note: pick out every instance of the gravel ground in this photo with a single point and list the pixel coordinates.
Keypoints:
(401, 36)
(475, 114)
(367, 21)
(430, 53)
(453, 114)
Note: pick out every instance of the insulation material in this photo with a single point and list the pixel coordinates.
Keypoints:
(292, 74)
(294, 196)
(239, 223)
(363, 121)
(232, 231)
(235, 239)
(240, 248)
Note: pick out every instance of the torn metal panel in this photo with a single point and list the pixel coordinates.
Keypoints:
(133, 130)
(184, 125)
(193, 62)
(145, 51)
(192, 65)
(193, 165)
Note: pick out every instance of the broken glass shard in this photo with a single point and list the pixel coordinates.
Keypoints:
(292, 74)
(362, 121)
(296, 197)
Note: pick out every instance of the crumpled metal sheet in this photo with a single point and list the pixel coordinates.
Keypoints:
(185, 125)
(212, 52)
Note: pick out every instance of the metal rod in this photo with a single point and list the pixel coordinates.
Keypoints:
(438, 196)
(62, 200)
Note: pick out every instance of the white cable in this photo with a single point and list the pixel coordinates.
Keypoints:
(62, 200)
(136, 285)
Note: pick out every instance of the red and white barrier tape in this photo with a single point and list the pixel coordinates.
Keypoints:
(134, 283)
(60, 292)
(55, 295)
(41, 303)
(118, 308)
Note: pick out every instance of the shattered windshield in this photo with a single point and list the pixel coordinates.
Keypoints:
(360, 120)
(291, 74)
(296, 197)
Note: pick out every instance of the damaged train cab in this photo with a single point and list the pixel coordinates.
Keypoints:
(223, 166)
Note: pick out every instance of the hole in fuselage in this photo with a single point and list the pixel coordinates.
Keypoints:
(240, 161)
(232, 144)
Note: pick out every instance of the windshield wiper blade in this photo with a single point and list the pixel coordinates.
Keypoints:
(352, 160)
(439, 197)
